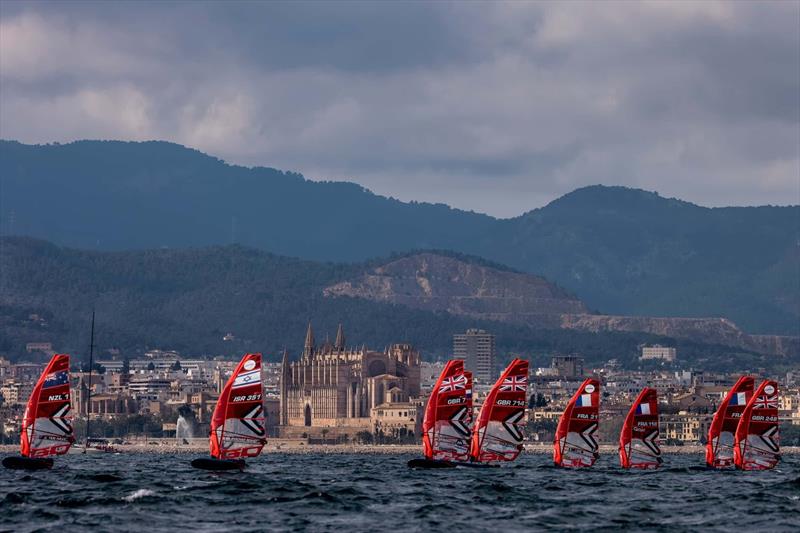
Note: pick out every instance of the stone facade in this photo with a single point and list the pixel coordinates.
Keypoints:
(336, 386)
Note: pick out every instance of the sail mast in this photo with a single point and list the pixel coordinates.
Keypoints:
(89, 389)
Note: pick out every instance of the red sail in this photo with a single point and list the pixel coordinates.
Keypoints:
(499, 430)
(237, 425)
(719, 447)
(638, 440)
(575, 445)
(47, 423)
(757, 439)
(446, 428)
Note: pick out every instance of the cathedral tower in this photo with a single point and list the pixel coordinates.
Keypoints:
(308, 350)
(339, 344)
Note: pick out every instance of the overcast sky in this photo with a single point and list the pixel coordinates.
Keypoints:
(494, 107)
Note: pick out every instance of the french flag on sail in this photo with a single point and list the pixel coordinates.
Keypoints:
(584, 400)
(740, 398)
(643, 409)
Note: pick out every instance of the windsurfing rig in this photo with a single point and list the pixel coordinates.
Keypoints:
(47, 422)
(499, 430)
(575, 445)
(237, 424)
(721, 432)
(757, 438)
(638, 440)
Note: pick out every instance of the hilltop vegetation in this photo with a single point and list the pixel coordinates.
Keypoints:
(622, 251)
(189, 299)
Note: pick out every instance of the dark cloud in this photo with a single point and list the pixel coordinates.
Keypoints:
(496, 107)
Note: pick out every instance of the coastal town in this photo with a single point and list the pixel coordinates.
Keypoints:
(335, 393)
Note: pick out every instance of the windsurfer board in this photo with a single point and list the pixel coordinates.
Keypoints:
(209, 463)
(27, 463)
(477, 465)
(430, 463)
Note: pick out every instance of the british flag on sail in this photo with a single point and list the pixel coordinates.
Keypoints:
(515, 384)
(458, 382)
(766, 402)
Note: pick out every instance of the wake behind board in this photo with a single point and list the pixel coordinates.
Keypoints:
(475, 464)
(209, 463)
(27, 463)
(430, 463)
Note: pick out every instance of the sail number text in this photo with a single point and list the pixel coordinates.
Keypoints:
(247, 398)
(511, 403)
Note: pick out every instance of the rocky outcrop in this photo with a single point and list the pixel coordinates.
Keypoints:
(705, 330)
(717, 330)
(776, 344)
(436, 282)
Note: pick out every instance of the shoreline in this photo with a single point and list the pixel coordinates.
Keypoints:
(294, 447)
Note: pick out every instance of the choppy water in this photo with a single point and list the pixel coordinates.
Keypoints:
(286, 492)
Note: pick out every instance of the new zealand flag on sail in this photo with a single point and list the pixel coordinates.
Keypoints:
(55, 379)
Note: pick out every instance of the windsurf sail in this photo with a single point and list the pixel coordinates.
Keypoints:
(638, 440)
(719, 447)
(575, 445)
(499, 428)
(47, 423)
(447, 425)
(757, 438)
(237, 425)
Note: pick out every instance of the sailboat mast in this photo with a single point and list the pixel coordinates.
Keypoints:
(89, 390)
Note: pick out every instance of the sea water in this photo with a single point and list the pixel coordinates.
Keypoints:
(377, 492)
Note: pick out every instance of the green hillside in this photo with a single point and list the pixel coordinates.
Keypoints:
(189, 299)
(623, 251)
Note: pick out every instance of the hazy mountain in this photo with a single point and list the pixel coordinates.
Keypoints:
(190, 299)
(622, 251)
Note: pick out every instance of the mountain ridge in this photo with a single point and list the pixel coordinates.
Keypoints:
(622, 251)
(434, 282)
(190, 299)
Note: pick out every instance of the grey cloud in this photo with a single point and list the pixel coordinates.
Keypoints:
(496, 107)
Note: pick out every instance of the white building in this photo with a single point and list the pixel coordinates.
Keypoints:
(658, 352)
(476, 348)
